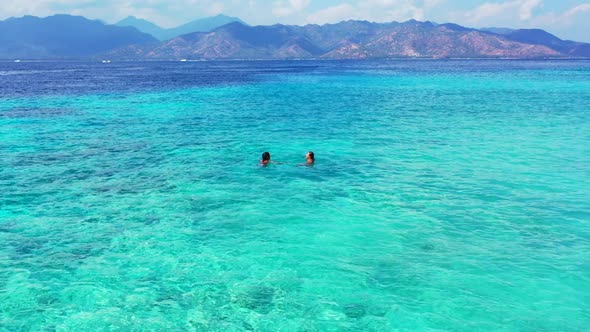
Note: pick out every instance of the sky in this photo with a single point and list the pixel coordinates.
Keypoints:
(568, 19)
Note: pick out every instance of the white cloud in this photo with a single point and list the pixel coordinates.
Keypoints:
(432, 3)
(491, 12)
(570, 23)
(527, 7)
(519, 13)
(585, 7)
(34, 7)
(375, 10)
(164, 12)
(284, 8)
(333, 14)
(216, 8)
(565, 20)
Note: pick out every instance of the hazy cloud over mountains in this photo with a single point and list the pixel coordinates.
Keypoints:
(566, 18)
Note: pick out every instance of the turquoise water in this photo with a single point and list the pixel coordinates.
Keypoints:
(446, 196)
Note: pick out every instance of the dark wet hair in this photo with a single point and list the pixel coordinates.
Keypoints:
(265, 156)
(312, 155)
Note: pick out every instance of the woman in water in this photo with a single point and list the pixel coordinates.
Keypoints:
(310, 159)
(265, 159)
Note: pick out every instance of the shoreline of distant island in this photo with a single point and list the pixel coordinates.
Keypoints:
(290, 60)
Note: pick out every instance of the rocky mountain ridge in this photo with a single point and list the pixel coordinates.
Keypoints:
(357, 40)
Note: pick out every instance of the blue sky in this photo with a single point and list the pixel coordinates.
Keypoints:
(566, 18)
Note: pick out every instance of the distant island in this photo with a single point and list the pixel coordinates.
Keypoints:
(201, 25)
(224, 37)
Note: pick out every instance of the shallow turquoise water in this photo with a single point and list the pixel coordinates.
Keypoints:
(446, 197)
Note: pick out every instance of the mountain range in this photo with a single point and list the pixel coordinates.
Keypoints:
(64, 36)
(357, 40)
(201, 25)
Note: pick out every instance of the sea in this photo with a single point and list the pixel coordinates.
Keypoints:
(447, 195)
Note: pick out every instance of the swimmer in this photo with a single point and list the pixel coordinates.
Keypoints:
(265, 159)
(310, 159)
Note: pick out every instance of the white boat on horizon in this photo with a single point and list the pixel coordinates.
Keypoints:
(106, 61)
(16, 60)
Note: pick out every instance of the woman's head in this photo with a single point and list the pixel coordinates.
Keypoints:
(310, 156)
(266, 156)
